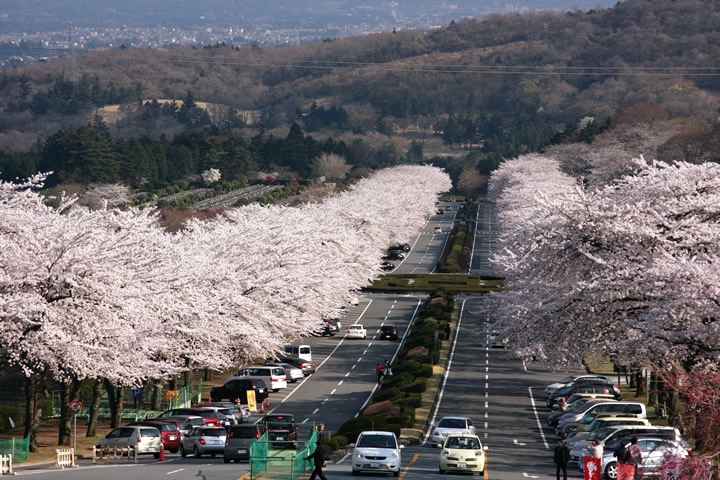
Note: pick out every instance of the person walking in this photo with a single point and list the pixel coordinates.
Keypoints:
(387, 371)
(562, 458)
(318, 456)
(380, 371)
(320, 434)
(633, 456)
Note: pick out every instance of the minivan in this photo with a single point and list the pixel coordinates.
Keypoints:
(301, 351)
(240, 439)
(274, 377)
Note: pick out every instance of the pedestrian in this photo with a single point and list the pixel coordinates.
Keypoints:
(596, 449)
(320, 434)
(380, 371)
(318, 457)
(633, 457)
(447, 331)
(387, 371)
(562, 458)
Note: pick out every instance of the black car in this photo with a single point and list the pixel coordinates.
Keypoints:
(583, 386)
(387, 266)
(330, 327)
(388, 331)
(238, 388)
(405, 247)
(281, 429)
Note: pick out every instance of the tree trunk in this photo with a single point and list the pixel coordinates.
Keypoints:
(156, 396)
(115, 400)
(207, 375)
(640, 384)
(70, 391)
(172, 383)
(653, 398)
(94, 407)
(673, 407)
(33, 411)
(187, 374)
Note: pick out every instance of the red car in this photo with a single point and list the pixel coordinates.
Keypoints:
(211, 417)
(169, 433)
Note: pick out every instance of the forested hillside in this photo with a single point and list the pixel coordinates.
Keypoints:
(505, 84)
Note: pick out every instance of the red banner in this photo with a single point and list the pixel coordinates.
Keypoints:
(626, 472)
(592, 468)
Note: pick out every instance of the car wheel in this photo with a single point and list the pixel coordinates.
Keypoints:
(441, 470)
(197, 453)
(611, 471)
(396, 474)
(212, 455)
(355, 473)
(275, 390)
(226, 460)
(172, 450)
(183, 453)
(156, 455)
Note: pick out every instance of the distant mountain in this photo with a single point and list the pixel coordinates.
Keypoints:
(35, 15)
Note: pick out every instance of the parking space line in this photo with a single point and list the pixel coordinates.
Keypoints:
(537, 418)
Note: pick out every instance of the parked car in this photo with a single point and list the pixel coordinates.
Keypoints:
(498, 340)
(573, 378)
(226, 415)
(655, 451)
(356, 331)
(185, 423)
(301, 351)
(570, 428)
(405, 247)
(387, 266)
(274, 377)
(240, 439)
(237, 389)
(281, 429)
(438, 230)
(606, 422)
(378, 452)
(203, 440)
(240, 412)
(608, 435)
(629, 409)
(450, 425)
(145, 440)
(594, 396)
(292, 373)
(169, 433)
(462, 452)
(211, 417)
(388, 331)
(308, 368)
(583, 387)
(576, 406)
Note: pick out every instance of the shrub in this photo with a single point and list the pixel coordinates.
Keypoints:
(435, 355)
(341, 440)
(418, 386)
(412, 401)
(397, 380)
(425, 371)
(410, 367)
(353, 427)
(409, 412)
(332, 444)
(391, 394)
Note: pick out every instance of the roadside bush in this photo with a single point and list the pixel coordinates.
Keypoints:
(341, 440)
(332, 444)
(410, 367)
(353, 427)
(391, 394)
(409, 412)
(425, 371)
(397, 380)
(412, 401)
(435, 356)
(418, 386)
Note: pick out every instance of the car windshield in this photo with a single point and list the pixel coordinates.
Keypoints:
(377, 441)
(566, 380)
(600, 434)
(465, 443)
(577, 406)
(451, 423)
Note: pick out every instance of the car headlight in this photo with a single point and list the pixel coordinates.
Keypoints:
(359, 456)
(393, 455)
(478, 454)
(445, 453)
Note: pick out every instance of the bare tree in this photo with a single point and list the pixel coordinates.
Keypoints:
(331, 165)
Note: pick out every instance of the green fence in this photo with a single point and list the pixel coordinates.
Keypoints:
(272, 460)
(18, 448)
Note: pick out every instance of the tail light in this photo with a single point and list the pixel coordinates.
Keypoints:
(690, 452)
(139, 439)
(202, 441)
(257, 434)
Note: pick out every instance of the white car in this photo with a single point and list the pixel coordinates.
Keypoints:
(144, 439)
(438, 230)
(462, 453)
(450, 425)
(356, 331)
(377, 452)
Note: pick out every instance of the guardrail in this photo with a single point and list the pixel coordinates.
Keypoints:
(115, 453)
(64, 457)
(6, 466)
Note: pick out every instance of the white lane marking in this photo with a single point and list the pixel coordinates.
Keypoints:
(360, 358)
(369, 344)
(485, 435)
(343, 458)
(487, 368)
(486, 423)
(305, 421)
(392, 306)
(518, 443)
(529, 476)
(486, 386)
(174, 471)
(486, 404)
(333, 391)
(486, 414)
(325, 400)
(486, 395)
(374, 337)
(537, 418)
(364, 351)
(487, 362)
(447, 372)
(348, 373)
(486, 377)
(340, 382)
(316, 410)
(328, 357)
(353, 367)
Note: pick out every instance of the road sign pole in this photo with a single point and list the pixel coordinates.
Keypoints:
(74, 433)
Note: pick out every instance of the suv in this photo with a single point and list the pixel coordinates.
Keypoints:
(377, 452)
(239, 441)
(237, 389)
(145, 440)
(281, 428)
(388, 331)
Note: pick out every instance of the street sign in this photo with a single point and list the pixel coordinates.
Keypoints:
(75, 406)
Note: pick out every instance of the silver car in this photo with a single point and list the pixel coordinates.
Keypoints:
(204, 440)
(144, 439)
(448, 425)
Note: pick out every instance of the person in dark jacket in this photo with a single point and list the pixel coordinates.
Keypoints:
(562, 458)
(379, 370)
(319, 457)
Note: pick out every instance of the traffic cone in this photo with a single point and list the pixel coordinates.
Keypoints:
(161, 458)
(262, 407)
(267, 402)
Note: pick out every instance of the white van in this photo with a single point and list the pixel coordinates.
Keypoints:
(301, 351)
(274, 377)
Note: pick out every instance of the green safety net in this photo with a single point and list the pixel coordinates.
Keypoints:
(18, 448)
(271, 461)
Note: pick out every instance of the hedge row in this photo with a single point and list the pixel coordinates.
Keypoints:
(409, 379)
(456, 257)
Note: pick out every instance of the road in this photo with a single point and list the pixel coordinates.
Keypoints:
(491, 386)
(485, 236)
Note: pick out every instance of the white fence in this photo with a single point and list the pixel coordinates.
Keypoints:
(6, 467)
(116, 453)
(65, 457)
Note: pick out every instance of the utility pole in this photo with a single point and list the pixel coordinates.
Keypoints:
(71, 45)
